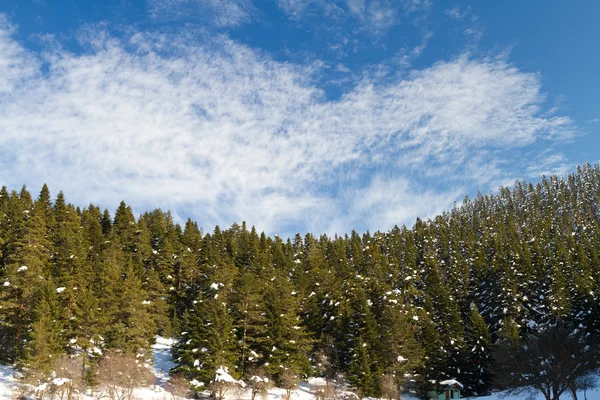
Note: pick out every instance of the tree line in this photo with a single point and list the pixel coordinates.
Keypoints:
(416, 304)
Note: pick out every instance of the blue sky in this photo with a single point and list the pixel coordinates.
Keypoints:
(314, 115)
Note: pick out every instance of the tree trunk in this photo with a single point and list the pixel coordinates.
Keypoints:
(573, 392)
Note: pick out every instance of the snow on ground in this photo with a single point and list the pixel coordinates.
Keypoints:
(162, 359)
(593, 394)
(163, 363)
(7, 381)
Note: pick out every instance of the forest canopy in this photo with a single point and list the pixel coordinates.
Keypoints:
(420, 304)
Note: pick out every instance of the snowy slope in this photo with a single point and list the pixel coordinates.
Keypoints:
(163, 363)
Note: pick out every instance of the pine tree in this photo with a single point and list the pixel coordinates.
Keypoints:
(133, 326)
(360, 373)
(43, 342)
(476, 374)
(401, 354)
(70, 269)
(124, 227)
(287, 343)
(208, 341)
(249, 316)
(26, 267)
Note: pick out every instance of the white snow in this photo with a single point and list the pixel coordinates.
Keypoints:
(451, 382)
(214, 286)
(60, 381)
(196, 383)
(7, 382)
(593, 394)
(317, 381)
(21, 269)
(222, 375)
(163, 363)
(60, 289)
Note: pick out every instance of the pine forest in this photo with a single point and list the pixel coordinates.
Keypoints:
(417, 305)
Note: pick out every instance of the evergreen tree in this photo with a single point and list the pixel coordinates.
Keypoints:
(43, 342)
(25, 269)
(287, 343)
(360, 373)
(249, 316)
(476, 369)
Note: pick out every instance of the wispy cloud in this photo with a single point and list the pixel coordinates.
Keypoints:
(376, 16)
(456, 13)
(468, 22)
(220, 132)
(549, 163)
(222, 13)
(16, 64)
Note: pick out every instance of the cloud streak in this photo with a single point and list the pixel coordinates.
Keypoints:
(222, 13)
(376, 16)
(220, 132)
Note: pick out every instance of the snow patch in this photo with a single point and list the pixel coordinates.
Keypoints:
(222, 375)
(451, 382)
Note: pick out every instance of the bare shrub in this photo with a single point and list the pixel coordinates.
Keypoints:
(68, 379)
(119, 374)
(220, 388)
(324, 392)
(34, 384)
(237, 392)
(389, 387)
(224, 383)
(21, 392)
(258, 382)
(260, 387)
(288, 380)
(178, 386)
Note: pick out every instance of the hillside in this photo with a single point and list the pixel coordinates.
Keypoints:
(420, 304)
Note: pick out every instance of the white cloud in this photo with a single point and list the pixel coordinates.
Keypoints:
(373, 15)
(16, 64)
(549, 163)
(221, 132)
(391, 201)
(223, 13)
(455, 13)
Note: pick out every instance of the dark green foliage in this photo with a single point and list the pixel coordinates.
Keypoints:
(360, 371)
(418, 305)
(476, 371)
